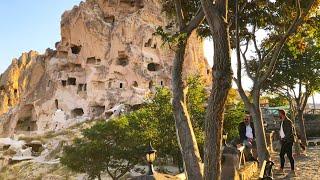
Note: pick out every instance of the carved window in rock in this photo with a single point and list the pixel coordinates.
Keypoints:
(151, 85)
(9, 102)
(97, 110)
(109, 19)
(63, 83)
(82, 87)
(121, 85)
(148, 43)
(161, 83)
(15, 92)
(26, 124)
(122, 59)
(72, 81)
(56, 102)
(154, 67)
(91, 60)
(25, 119)
(49, 83)
(154, 46)
(135, 84)
(77, 112)
(75, 49)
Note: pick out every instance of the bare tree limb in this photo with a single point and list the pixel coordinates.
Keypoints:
(179, 12)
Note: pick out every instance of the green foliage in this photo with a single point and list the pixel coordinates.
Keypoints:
(107, 146)
(85, 157)
(119, 144)
(278, 101)
(172, 39)
(232, 118)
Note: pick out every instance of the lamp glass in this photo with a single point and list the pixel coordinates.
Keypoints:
(151, 157)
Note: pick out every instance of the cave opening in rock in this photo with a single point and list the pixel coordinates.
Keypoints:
(64, 83)
(82, 87)
(161, 83)
(109, 84)
(108, 114)
(15, 92)
(49, 83)
(72, 81)
(121, 85)
(77, 112)
(91, 60)
(150, 84)
(109, 19)
(98, 61)
(26, 124)
(123, 61)
(25, 119)
(97, 110)
(154, 46)
(56, 102)
(75, 49)
(148, 43)
(9, 102)
(154, 67)
(135, 84)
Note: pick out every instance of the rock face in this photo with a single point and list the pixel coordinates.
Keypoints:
(107, 56)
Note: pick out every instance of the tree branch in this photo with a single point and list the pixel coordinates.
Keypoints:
(179, 12)
(197, 19)
(293, 27)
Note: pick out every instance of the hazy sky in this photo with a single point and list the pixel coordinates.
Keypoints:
(35, 25)
(29, 25)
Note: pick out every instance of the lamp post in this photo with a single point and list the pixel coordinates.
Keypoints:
(150, 156)
(224, 138)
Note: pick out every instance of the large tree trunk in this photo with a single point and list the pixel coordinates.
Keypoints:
(255, 111)
(222, 75)
(302, 129)
(186, 138)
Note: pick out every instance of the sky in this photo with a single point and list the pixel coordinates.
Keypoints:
(29, 25)
(35, 25)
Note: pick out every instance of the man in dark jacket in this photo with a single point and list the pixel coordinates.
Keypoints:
(247, 136)
(287, 139)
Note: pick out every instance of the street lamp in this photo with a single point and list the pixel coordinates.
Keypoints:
(224, 138)
(150, 156)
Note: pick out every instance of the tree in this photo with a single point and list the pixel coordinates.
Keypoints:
(281, 20)
(297, 74)
(107, 146)
(188, 16)
(217, 18)
(85, 157)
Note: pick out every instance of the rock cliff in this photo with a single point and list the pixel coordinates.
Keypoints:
(107, 56)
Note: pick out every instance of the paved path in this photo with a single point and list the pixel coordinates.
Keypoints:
(307, 167)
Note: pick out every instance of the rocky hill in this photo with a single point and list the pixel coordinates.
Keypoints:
(107, 58)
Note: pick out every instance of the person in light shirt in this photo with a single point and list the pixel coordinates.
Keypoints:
(247, 136)
(287, 138)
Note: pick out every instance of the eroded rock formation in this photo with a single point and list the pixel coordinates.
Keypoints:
(107, 56)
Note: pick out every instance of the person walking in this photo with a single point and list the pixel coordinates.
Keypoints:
(287, 138)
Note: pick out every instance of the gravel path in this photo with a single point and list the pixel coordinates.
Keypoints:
(307, 167)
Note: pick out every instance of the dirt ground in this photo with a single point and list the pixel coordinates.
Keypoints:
(307, 167)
